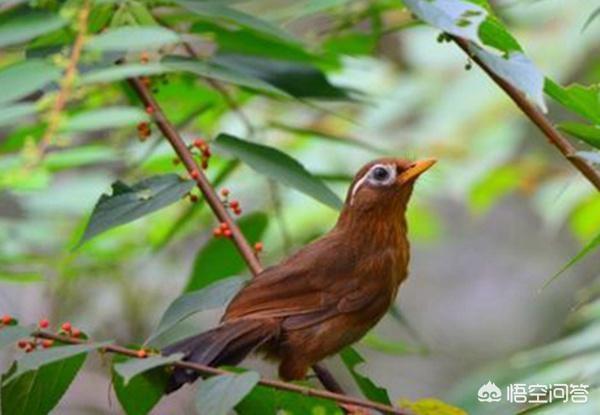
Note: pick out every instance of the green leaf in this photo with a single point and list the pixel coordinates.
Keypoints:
(431, 406)
(38, 392)
(134, 367)
(143, 391)
(23, 78)
(20, 277)
(12, 334)
(218, 395)
(119, 72)
(219, 259)
(495, 185)
(590, 19)
(211, 296)
(105, 118)
(28, 26)
(133, 38)
(66, 158)
(221, 73)
(279, 166)
(380, 344)
(217, 10)
(300, 80)
(370, 390)
(128, 203)
(588, 133)
(33, 361)
(457, 17)
(263, 400)
(582, 100)
(592, 245)
(12, 115)
(518, 70)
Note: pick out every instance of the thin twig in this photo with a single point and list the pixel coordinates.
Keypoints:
(66, 82)
(212, 371)
(554, 136)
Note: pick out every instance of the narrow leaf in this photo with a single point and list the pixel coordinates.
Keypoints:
(133, 38)
(590, 19)
(588, 133)
(212, 296)
(220, 394)
(119, 72)
(23, 78)
(12, 115)
(105, 118)
(28, 26)
(128, 203)
(219, 259)
(352, 359)
(279, 166)
(594, 243)
(133, 367)
(457, 17)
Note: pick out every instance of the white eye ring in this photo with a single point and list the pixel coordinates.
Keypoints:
(370, 177)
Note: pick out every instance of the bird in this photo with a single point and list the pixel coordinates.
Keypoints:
(328, 294)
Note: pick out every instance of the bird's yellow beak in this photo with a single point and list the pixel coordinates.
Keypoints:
(414, 171)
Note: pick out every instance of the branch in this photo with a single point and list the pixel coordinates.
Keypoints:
(554, 136)
(211, 371)
(210, 196)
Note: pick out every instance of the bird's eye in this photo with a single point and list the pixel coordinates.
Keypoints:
(381, 174)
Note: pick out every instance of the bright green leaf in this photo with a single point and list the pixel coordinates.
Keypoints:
(23, 78)
(133, 38)
(211, 296)
(496, 184)
(66, 158)
(119, 72)
(582, 100)
(375, 342)
(105, 118)
(128, 203)
(591, 246)
(219, 259)
(218, 395)
(588, 133)
(278, 166)
(431, 406)
(20, 277)
(134, 367)
(352, 359)
(28, 26)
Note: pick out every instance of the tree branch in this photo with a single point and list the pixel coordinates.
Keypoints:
(554, 136)
(212, 371)
(211, 197)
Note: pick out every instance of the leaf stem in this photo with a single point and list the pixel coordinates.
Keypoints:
(554, 136)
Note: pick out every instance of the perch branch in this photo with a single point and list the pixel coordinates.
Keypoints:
(554, 136)
(211, 371)
(186, 157)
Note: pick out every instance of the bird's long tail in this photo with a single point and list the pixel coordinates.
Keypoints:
(227, 344)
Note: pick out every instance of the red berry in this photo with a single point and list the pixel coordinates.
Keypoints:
(66, 326)
(193, 198)
(237, 211)
(234, 204)
(142, 354)
(224, 226)
(195, 175)
(44, 323)
(150, 109)
(47, 343)
(22, 344)
(258, 247)
(217, 232)
(75, 332)
(227, 233)
(224, 192)
(199, 143)
(29, 347)
(6, 319)
(206, 151)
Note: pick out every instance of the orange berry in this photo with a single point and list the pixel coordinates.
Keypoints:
(224, 192)
(66, 326)
(199, 143)
(227, 233)
(195, 175)
(44, 323)
(258, 247)
(142, 354)
(75, 332)
(47, 343)
(6, 319)
(217, 232)
(224, 226)
(144, 57)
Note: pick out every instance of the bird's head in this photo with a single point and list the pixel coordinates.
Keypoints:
(384, 186)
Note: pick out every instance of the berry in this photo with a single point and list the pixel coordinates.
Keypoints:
(6, 319)
(75, 332)
(29, 347)
(227, 233)
(224, 226)
(200, 143)
(234, 204)
(22, 344)
(47, 343)
(142, 354)
(66, 326)
(195, 175)
(44, 323)
(217, 232)
(237, 211)
(150, 110)
(144, 57)
(224, 192)
(193, 198)
(258, 247)
(206, 152)
(204, 164)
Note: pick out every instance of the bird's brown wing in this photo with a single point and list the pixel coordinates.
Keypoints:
(314, 285)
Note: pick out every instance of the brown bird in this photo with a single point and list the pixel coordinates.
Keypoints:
(328, 294)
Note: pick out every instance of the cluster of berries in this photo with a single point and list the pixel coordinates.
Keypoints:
(205, 152)
(66, 329)
(222, 230)
(234, 204)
